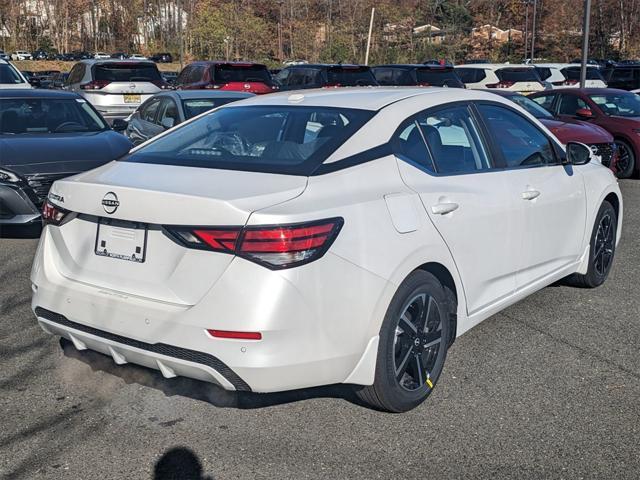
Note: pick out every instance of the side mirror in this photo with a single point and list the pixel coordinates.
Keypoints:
(167, 122)
(119, 125)
(584, 113)
(578, 154)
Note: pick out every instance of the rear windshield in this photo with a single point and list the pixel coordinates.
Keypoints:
(9, 75)
(48, 115)
(195, 106)
(241, 73)
(350, 76)
(616, 104)
(445, 77)
(573, 73)
(517, 75)
(530, 106)
(543, 72)
(273, 139)
(126, 72)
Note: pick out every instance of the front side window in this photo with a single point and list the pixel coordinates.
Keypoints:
(48, 115)
(570, 104)
(168, 113)
(530, 106)
(271, 139)
(149, 110)
(619, 104)
(521, 143)
(545, 101)
(454, 141)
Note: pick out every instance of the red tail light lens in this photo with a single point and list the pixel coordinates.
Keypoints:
(52, 214)
(95, 85)
(275, 247)
(503, 84)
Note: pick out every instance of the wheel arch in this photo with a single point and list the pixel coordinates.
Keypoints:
(444, 276)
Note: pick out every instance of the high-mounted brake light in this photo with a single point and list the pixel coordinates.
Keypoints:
(52, 214)
(275, 247)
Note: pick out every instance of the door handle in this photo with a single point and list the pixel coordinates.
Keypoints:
(530, 194)
(444, 208)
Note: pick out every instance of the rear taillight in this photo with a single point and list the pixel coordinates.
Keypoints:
(565, 83)
(52, 214)
(275, 247)
(332, 85)
(502, 84)
(95, 85)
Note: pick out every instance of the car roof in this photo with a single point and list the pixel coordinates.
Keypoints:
(363, 98)
(191, 94)
(431, 66)
(222, 62)
(327, 65)
(493, 66)
(93, 61)
(36, 93)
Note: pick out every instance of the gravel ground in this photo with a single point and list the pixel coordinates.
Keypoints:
(550, 388)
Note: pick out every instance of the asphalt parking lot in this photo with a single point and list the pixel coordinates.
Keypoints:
(550, 388)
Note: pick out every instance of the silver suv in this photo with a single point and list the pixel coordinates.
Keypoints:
(115, 87)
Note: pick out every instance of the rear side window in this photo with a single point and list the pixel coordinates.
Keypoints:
(241, 73)
(273, 139)
(9, 75)
(409, 143)
(126, 72)
(517, 75)
(149, 110)
(519, 141)
(622, 75)
(350, 76)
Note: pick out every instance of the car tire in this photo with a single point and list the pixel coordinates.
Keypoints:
(411, 355)
(626, 169)
(602, 249)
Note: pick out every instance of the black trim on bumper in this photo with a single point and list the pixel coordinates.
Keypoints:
(159, 348)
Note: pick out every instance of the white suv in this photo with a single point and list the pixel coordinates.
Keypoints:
(567, 75)
(515, 78)
(331, 236)
(11, 77)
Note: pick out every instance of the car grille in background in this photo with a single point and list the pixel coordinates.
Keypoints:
(604, 151)
(41, 183)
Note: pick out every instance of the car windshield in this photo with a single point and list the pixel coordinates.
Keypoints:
(127, 72)
(350, 76)
(530, 106)
(48, 115)
(573, 73)
(273, 139)
(436, 77)
(241, 73)
(9, 75)
(195, 106)
(517, 75)
(621, 104)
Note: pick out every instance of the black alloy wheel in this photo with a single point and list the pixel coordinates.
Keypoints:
(626, 159)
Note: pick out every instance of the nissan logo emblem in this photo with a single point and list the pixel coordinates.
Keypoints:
(110, 203)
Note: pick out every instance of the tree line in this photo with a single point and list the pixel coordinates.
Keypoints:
(318, 30)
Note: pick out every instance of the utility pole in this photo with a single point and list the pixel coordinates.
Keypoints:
(533, 30)
(280, 39)
(366, 56)
(526, 28)
(585, 42)
(180, 33)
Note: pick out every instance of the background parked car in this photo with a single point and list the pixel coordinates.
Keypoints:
(597, 138)
(39, 55)
(11, 77)
(162, 58)
(170, 77)
(115, 87)
(237, 76)
(425, 75)
(119, 55)
(296, 77)
(168, 109)
(21, 55)
(47, 135)
(616, 111)
(516, 78)
(623, 76)
(58, 79)
(4, 56)
(101, 56)
(137, 56)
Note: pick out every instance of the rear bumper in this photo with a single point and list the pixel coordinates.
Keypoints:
(317, 323)
(16, 208)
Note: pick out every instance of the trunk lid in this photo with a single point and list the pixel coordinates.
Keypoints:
(151, 196)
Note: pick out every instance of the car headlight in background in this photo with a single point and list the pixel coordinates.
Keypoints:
(8, 177)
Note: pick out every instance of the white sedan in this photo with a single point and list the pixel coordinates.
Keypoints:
(320, 237)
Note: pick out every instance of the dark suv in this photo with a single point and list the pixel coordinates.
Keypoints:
(236, 76)
(430, 75)
(162, 58)
(296, 77)
(623, 76)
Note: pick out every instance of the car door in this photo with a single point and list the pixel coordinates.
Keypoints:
(444, 158)
(552, 194)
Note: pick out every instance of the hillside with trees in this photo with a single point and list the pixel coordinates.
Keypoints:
(320, 30)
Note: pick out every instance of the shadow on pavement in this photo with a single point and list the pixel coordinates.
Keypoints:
(32, 230)
(204, 391)
(179, 463)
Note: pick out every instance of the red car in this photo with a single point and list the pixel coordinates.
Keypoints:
(236, 76)
(601, 142)
(617, 111)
